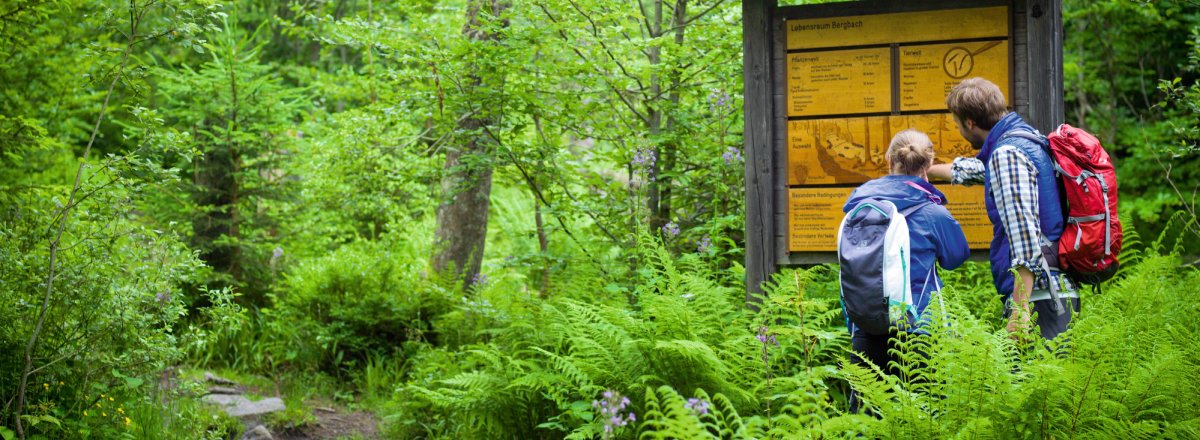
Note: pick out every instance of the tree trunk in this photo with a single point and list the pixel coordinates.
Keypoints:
(543, 247)
(669, 149)
(659, 193)
(462, 216)
(654, 121)
(218, 190)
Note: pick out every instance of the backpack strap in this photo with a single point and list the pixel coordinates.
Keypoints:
(932, 197)
(1057, 306)
(1026, 134)
(932, 275)
(1045, 144)
(914, 208)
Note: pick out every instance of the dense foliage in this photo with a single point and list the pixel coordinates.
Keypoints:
(267, 187)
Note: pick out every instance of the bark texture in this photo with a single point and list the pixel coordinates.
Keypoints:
(462, 216)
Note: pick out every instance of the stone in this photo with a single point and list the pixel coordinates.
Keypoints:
(238, 405)
(212, 378)
(223, 390)
(259, 432)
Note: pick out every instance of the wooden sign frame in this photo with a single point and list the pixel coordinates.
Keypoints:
(1034, 60)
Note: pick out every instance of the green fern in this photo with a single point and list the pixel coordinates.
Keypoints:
(667, 417)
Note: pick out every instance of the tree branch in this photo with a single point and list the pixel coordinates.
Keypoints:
(585, 59)
(607, 51)
(33, 338)
(702, 13)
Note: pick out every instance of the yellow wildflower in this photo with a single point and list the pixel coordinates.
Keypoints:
(85, 413)
(121, 410)
(104, 414)
(127, 421)
(110, 399)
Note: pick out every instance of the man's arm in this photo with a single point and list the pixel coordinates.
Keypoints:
(963, 171)
(1014, 187)
(940, 172)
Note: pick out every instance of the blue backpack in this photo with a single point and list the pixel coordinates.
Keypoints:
(873, 251)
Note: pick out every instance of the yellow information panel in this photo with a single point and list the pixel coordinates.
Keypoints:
(928, 72)
(814, 215)
(854, 82)
(903, 27)
(839, 82)
(853, 150)
(966, 205)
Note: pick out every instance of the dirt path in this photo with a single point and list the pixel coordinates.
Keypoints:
(319, 419)
(331, 423)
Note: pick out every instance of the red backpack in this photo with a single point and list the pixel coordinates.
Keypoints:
(1091, 238)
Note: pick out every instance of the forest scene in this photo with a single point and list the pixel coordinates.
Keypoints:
(516, 219)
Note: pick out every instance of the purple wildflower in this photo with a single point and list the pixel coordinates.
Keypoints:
(163, 297)
(479, 280)
(766, 337)
(644, 157)
(671, 229)
(278, 253)
(611, 409)
(643, 161)
(732, 155)
(718, 100)
(698, 407)
(705, 245)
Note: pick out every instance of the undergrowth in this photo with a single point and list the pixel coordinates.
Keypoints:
(695, 362)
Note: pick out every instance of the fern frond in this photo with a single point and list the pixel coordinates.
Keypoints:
(666, 417)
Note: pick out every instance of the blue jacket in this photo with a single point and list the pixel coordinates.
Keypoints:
(1050, 214)
(933, 233)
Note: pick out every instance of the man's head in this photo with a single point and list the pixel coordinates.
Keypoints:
(977, 105)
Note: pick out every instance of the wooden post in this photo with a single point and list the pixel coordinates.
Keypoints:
(760, 160)
(1045, 31)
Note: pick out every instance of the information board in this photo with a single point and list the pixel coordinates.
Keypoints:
(854, 82)
(928, 72)
(840, 81)
(900, 27)
(816, 214)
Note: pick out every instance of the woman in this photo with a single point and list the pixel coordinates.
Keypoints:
(934, 237)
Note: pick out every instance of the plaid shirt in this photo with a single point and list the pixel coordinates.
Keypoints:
(1014, 188)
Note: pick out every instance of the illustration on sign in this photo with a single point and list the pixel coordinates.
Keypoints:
(852, 150)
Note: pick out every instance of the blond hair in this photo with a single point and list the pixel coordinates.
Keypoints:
(911, 152)
(979, 100)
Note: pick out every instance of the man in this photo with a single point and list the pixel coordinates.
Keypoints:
(1021, 195)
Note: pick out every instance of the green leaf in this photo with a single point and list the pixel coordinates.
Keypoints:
(51, 419)
(582, 410)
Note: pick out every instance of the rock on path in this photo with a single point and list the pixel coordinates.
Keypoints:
(239, 406)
